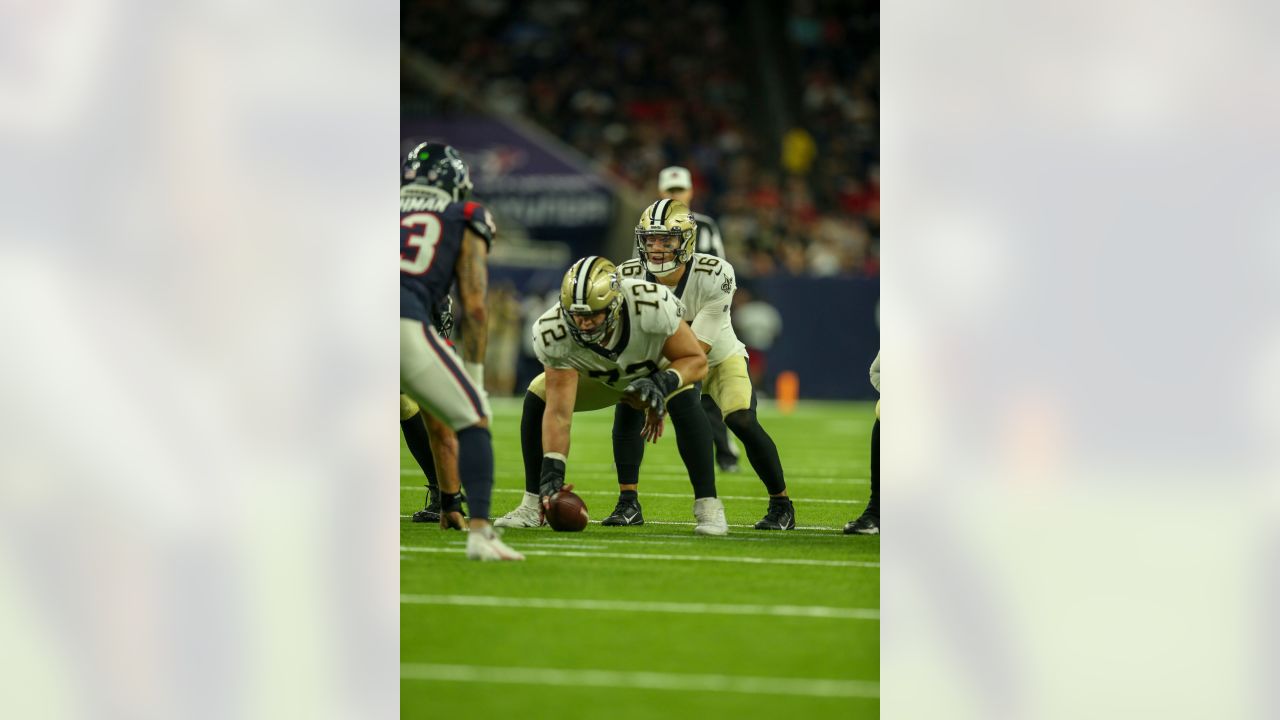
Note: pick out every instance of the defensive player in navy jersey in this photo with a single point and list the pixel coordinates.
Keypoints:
(444, 239)
(433, 444)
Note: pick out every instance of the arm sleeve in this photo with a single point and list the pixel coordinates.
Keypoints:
(875, 373)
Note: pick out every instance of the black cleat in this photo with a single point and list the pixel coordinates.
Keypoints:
(781, 515)
(431, 513)
(727, 463)
(868, 523)
(627, 512)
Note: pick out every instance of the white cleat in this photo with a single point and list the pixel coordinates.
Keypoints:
(485, 544)
(527, 515)
(709, 512)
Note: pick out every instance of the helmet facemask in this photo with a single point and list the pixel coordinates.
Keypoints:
(601, 332)
(671, 220)
(589, 288)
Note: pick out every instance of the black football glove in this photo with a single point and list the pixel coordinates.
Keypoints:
(667, 381)
(647, 391)
(552, 477)
(654, 390)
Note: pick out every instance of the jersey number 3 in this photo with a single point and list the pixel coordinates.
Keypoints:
(417, 250)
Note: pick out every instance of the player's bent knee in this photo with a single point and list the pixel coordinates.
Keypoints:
(741, 420)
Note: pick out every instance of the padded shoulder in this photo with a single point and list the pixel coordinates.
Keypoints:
(656, 308)
(551, 341)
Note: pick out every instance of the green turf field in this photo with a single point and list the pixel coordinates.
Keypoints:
(653, 621)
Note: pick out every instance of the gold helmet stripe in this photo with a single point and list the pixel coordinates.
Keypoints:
(580, 282)
(659, 216)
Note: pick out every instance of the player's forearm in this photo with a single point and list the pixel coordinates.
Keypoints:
(692, 368)
(475, 332)
(555, 431)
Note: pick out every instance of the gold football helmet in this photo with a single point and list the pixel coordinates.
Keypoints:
(589, 288)
(670, 219)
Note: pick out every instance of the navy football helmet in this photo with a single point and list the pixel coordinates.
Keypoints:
(437, 165)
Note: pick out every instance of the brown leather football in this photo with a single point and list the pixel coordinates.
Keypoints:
(566, 512)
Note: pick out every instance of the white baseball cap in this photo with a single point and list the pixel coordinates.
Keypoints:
(674, 177)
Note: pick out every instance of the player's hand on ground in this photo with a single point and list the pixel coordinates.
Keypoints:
(647, 393)
(653, 424)
(452, 521)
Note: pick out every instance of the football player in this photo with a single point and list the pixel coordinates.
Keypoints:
(868, 523)
(431, 442)
(443, 239)
(676, 183)
(665, 243)
(610, 341)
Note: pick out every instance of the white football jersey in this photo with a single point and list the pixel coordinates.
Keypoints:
(706, 289)
(650, 314)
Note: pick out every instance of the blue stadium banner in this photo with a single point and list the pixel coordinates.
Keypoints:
(525, 178)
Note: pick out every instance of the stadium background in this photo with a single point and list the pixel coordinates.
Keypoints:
(566, 111)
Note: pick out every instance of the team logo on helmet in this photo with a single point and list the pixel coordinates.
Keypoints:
(437, 165)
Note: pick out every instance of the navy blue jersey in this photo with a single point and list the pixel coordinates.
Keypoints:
(431, 230)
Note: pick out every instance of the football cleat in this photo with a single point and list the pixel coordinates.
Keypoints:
(627, 512)
(431, 513)
(868, 523)
(709, 512)
(486, 544)
(527, 515)
(781, 515)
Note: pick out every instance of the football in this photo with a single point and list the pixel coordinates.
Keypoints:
(566, 512)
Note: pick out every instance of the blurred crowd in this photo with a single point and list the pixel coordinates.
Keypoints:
(640, 86)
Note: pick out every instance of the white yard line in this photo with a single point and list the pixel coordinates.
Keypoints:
(686, 496)
(796, 532)
(740, 477)
(622, 536)
(628, 606)
(808, 687)
(535, 544)
(752, 527)
(550, 540)
(655, 556)
(793, 533)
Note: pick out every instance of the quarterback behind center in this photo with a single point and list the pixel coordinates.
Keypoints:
(609, 341)
(705, 284)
